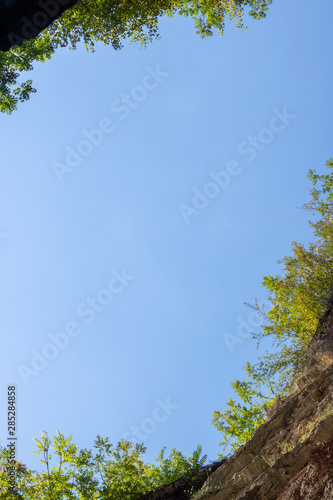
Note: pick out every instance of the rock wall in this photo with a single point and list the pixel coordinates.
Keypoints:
(290, 456)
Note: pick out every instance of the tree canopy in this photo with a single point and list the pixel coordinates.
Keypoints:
(112, 22)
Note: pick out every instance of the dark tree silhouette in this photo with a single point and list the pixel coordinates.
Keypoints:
(24, 19)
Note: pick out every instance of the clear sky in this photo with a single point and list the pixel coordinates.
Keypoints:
(122, 238)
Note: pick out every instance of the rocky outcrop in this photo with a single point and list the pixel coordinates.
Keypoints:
(316, 480)
(290, 456)
(182, 488)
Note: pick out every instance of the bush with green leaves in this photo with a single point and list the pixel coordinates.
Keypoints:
(300, 297)
(112, 22)
(111, 473)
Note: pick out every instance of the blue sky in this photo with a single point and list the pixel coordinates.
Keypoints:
(103, 250)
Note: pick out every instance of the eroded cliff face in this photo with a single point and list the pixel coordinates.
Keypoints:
(290, 456)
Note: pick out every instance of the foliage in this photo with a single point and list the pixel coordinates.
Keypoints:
(112, 22)
(112, 473)
(238, 422)
(299, 298)
(12, 63)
